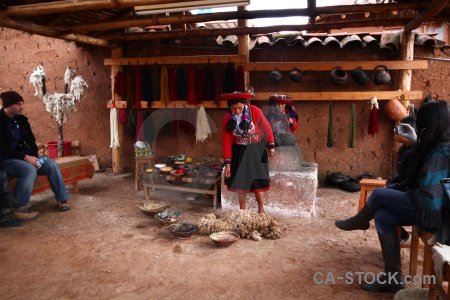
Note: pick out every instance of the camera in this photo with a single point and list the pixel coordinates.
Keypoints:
(399, 129)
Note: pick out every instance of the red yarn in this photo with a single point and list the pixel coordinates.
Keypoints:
(373, 122)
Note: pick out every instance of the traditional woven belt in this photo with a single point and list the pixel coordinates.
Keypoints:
(251, 139)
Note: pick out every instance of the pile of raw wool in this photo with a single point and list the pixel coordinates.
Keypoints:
(244, 222)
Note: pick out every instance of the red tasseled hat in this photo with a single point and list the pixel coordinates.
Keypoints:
(236, 96)
(280, 98)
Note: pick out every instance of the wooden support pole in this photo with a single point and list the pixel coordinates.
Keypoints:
(243, 49)
(116, 153)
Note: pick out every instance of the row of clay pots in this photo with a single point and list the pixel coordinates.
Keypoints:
(337, 76)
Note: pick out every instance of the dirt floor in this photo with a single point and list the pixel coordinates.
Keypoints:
(106, 248)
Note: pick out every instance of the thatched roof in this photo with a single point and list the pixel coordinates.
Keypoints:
(110, 23)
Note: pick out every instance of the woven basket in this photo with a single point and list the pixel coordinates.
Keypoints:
(143, 152)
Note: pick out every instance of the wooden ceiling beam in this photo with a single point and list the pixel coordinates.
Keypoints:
(430, 11)
(44, 31)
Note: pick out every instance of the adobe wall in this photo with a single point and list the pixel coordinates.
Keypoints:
(21, 53)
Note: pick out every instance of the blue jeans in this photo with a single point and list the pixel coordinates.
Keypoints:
(26, 176)
(391, 208)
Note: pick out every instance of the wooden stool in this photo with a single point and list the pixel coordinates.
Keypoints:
(141, 166)
(416, 237)
(368, 185)
(438, 288)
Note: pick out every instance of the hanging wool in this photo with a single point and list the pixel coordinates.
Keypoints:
(200, 84)
(330, 140)
(114, 126)
(229, 80)
(208, 87)
(68, 77)
(78, 87)
(181, 83)
(123, 117)
(244, 222)
(191, 97)
(120, 84)
(130, 86)
(138, 88)
(172, 84)
(131, 124)
(59, 105)
(156, 87)
(352, 131)
(239, 84)
(147, 93)
(164, 85)
(218, 82)
(203, 131)
(373, 118)
(37, 79)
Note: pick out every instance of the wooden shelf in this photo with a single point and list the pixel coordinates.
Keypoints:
(300, 96)
(328, 66)
(176, 60)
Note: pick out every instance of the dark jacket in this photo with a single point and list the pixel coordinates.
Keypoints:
(28, 139)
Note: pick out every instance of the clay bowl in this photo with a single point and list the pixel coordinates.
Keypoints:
(176, 216)
(165, 169)
(174, 173)
(153, 212)
(224, 238)
(183, 230)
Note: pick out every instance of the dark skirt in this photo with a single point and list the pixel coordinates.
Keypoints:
(249, 168)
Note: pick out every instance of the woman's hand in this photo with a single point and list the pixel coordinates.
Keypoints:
(227, 171)
(271, 152)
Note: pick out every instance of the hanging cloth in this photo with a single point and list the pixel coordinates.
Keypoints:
(373, 118)
(123, 117)
(172, 84)
(330, 139)
(120, 84)
(164, 85)
(239, 79)
(138, 85)
(209, 93)
(130, 86)
(218, 82)
(114, 128)
(200, 84)
(181, 83)
(131, 125)
(140, 126)
(229, 80)
(191, 97)
(147, 93)
(149, 128)
(155, 82)
(352, 131)
(203, 131)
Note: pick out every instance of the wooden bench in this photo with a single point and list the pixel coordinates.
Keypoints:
(73, 168)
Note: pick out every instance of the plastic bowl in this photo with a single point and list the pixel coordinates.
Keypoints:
(183, 230)
(159, 166)
(224, 238)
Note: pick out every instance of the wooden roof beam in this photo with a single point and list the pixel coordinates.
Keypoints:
(430, 11)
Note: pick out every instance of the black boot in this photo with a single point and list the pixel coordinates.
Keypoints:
(359, 221)
(393, 280)
(8, 202)
(7, 221)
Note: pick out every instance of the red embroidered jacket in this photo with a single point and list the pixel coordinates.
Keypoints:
(259, 129)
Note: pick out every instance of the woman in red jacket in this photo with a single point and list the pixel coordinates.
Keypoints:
(246, 136)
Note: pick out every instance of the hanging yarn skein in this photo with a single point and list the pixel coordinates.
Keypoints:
(203, 131)
(373, 118)
(37, 79)
(352, 130)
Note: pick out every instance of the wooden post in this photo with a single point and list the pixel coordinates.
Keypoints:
(406, 53)
(116, 153)
(243, 46)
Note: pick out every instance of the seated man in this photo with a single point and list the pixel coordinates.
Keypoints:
(283, 119)
(19, 152)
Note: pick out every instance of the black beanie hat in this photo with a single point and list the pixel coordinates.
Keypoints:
(10, 97)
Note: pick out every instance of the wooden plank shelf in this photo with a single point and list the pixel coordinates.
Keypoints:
(328, 66)
(176, 60)
(298, 96)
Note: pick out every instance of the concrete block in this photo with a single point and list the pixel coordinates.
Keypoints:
(292, 193)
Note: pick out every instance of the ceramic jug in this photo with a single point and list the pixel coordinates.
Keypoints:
(275, 76)
(359, 76)
(338, 76)
(296, 75)
(381, 75)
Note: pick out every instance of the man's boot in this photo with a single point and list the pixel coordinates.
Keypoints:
(358, 222)
(393, 280)
(8, 202)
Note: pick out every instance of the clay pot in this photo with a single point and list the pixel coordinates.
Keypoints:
(381, 75)
(359, 76)
(296, 75)
(338, 76)
(275, 76)
(395, 110)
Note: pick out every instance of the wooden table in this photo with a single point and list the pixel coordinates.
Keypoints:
(200, 183)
